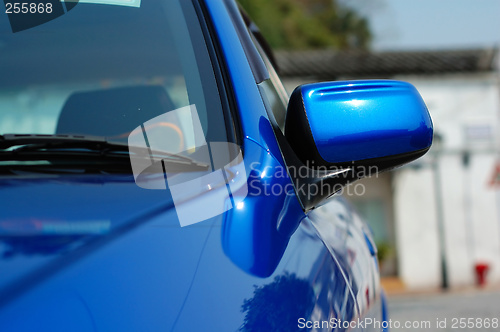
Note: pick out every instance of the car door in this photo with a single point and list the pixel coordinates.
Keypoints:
(343, 232)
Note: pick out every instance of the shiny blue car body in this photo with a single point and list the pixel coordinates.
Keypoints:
(264, 266)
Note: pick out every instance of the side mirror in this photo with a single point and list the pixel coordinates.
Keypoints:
(343, 131)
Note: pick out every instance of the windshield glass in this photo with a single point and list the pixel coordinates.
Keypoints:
(106, 67)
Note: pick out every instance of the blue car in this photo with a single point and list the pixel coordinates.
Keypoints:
(155, 175)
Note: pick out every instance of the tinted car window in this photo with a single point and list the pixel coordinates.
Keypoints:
(274, 91)
(104, 70)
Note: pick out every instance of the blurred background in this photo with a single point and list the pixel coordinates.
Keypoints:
(436, 221)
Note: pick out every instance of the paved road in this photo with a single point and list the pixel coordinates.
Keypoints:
(427, 312)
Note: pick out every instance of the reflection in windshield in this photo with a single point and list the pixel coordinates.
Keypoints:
(103, 70)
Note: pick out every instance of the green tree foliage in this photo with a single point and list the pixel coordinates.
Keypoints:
(306, 24)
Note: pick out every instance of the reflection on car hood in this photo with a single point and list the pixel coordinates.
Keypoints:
(47, 218)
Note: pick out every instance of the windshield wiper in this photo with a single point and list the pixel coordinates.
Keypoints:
(82, 148)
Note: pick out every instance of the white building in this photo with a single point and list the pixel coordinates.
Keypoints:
(440, 213)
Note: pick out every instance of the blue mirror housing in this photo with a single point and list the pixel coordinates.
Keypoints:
(353, 125)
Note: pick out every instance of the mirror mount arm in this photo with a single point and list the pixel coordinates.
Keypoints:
(313, 185)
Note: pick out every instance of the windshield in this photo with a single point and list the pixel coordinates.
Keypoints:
(106, 67)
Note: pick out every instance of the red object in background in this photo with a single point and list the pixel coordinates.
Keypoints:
(481, 270)
(495, 176)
